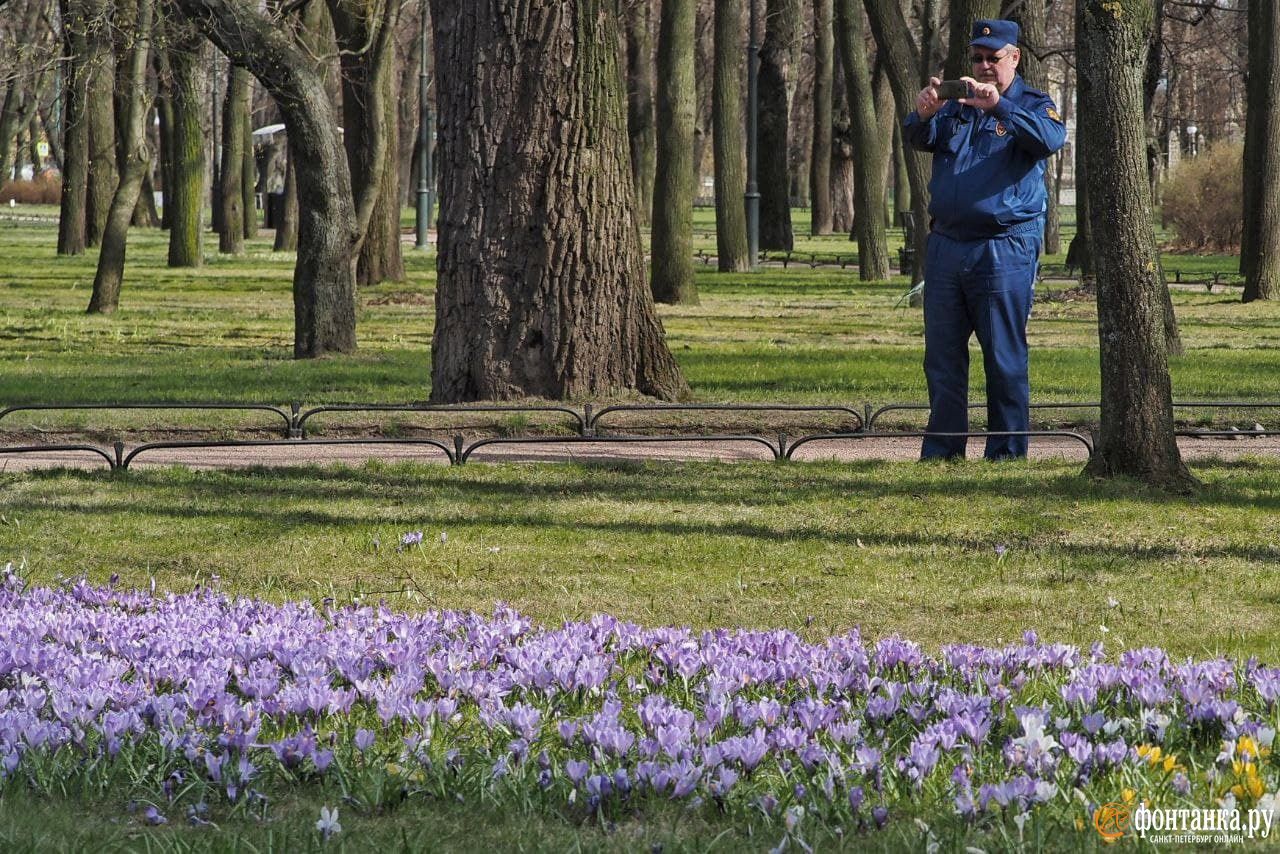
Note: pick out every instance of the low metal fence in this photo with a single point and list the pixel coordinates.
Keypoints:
(594, 425)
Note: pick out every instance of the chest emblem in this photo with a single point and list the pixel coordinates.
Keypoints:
(1001, 130)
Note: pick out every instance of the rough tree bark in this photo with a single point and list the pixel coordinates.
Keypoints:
(823, 78)
(1030, 15)
(782, 20)
(75, 140)
(134, 160)
(901, 60)
(184, 196)
(728, 138)
(365, 30)
(671, 261)
(541, 280)
(638, 28)
(1136, 435)
(100, 119)
(235, 117)
(1260, 252)
(868, 145)
(324, 304)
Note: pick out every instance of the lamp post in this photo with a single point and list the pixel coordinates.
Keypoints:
(425, 171)
(752, 196)
(1191, 140)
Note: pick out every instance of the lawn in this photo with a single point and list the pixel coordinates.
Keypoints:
(939, 554)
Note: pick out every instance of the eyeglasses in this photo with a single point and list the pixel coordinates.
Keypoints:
(985, 59)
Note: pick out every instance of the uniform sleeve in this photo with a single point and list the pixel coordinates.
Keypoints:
(920, 134)
(1036, 126)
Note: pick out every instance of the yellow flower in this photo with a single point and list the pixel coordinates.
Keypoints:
(1246, 747)
(1079, 823)
(1171, 764)
(1128, 795)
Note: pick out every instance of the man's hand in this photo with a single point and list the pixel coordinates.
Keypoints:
(928, 102)
(985, 95)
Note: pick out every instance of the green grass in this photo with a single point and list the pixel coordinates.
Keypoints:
(818, 547)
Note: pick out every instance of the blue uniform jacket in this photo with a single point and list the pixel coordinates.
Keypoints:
(988, 168)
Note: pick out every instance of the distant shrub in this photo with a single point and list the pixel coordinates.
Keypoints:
(43, 189)
(1203, 199)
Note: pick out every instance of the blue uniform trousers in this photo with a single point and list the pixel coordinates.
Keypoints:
(984, 288)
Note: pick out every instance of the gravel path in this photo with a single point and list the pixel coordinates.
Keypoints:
(845, 450)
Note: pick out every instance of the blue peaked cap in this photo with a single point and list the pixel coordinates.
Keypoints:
(995, 34)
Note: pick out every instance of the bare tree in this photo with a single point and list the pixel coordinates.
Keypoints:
(638, 29)
(134, 160)
(324, 277)
(235, 118)
(1260, 253)
(541, 280)
(75, 162)
(823, 78)
(728, 142)
(671, 261)
(963, 14)
(1136, 436)
(782, 21)
(901, 59)
(869, 144)
(184, 195)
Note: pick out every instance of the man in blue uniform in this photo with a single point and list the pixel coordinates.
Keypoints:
(987, 224)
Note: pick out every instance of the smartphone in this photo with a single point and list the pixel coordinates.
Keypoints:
(951, 89)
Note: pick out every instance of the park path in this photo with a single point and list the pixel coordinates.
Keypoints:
(845, 450)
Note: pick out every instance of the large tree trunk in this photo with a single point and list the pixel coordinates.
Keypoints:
(823, 79)
(1260, 252)
(671, 251)
(640, 129)
(1136, 437)
(782, 19)
(324, 300)
(134, 161)
(235, 117)
(100, 117)
(184, 198)
(901, 60)
(75, 146)
(868, 145)
(541, 279)
(364, 33)
(728, 143)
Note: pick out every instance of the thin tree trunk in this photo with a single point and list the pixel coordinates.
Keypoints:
(728, 138)
(640, 127)
(773, 170)
(1260, 252)
(324, 297)
(901, 60)
(235, 117)
(184, 198)
(823, 79)
(248, 168)
(371, 133)
(75, 149)
(287, 227)
(1136, 436)
(1030, 15)
(868, 145)
(541, 279)
(111, 258)
(100, 119)
(671, 263)
(963, 14)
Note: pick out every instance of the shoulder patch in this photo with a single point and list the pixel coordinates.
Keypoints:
(1053, 114)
